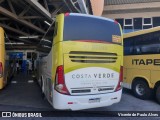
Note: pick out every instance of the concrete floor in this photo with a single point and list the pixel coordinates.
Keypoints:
(22, 92)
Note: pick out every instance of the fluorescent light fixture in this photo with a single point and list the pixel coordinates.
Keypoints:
(46, 46)
(19, 43)
(47, 23)
(46, 40)
(28, 37)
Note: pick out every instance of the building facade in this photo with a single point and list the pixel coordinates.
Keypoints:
(133, 15)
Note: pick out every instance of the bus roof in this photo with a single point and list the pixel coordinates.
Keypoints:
(141, 32)
(92, 16)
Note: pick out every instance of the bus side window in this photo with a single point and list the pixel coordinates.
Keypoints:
(138, 50)
(55, 29)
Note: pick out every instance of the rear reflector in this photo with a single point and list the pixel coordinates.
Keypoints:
(1, 69)
(60, 82)
(70, 102)
(120, 79)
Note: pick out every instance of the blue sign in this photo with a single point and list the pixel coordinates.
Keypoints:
(16, 55)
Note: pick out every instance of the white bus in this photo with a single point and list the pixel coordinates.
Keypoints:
(84, 68)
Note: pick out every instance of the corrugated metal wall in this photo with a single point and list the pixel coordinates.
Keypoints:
(117, 2)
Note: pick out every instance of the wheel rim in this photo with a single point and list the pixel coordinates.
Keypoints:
(140, 90)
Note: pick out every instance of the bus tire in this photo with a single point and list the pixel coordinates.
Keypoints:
(141, 89)
(158, 94)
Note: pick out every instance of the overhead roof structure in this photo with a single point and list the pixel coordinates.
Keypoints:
(131, 8)
(29, 21)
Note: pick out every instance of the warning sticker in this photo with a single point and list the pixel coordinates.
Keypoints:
(116, 39)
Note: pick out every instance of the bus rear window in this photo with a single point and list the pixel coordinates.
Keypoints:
(88, 28)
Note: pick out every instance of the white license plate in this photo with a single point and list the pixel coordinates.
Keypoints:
(94, 100)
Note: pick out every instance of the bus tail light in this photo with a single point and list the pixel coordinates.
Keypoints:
(66, 14)
(60, 85)
(115, 22)
(120, 79)
(1, 69)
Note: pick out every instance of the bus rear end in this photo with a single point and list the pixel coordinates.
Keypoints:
(91, 73)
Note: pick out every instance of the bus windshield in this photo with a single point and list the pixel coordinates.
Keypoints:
(87, 28)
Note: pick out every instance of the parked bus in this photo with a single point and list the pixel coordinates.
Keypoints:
(142, 62)
(6, 67)
(84, 68)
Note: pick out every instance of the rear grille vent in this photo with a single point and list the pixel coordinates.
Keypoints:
(92, 57)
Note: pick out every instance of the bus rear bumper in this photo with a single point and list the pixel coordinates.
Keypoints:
(63, 102)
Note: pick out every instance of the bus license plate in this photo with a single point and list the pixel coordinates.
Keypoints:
(94, 100)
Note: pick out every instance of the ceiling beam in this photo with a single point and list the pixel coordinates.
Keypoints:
(24, 11)
(11, 6)
(30, 17)
(15, 17)
(4, 18)
(39, 8)
(13, 30)
(26, 47)
(23, 40)
(46, 5)
(20, 47)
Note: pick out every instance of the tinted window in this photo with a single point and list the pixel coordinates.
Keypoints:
(147, 20)
(143, 44)
(138, 23)
(156, 21)
(128, 46)
(128, 21)
(86, 28)
(55, 29)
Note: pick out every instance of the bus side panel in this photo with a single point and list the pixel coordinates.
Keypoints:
(2, 56)
(57, 58)
(126, 84)
(155, 77)
(133, 71)
(57, 49)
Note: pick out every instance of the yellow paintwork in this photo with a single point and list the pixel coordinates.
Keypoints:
(2, 56)
(141, 32)
(57, 56)
(87, 46)
(122, 60)
(149, 72)
(61, 50)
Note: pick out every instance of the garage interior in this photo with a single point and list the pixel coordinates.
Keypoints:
(31, 22)
(29, 25)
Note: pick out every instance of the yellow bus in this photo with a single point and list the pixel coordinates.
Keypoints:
(6, 70)
(142, 62)
(85, 65)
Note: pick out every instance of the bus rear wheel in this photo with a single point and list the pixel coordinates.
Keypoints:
(158, 94)
(141, 90)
